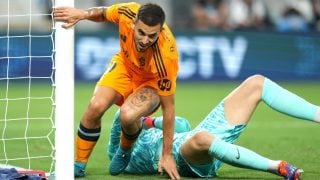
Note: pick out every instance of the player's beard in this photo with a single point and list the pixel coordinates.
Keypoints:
(141, 47)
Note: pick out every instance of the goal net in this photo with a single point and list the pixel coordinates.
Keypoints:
(29, 101)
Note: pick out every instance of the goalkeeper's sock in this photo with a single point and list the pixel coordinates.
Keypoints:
(158, 122)
(152, 122)
(85, 142)
(127, 140)
(148, 122)
(180, 124)
(317, 118)
(238, 156)
(288, 103)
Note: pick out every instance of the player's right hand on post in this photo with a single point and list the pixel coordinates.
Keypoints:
(69, 15)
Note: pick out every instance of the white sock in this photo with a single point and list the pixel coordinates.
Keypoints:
(274, 166)
(317, 118)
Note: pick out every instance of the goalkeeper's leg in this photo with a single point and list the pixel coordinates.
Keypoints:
(242, 102)
(203, 148)
(288, 103)
(180, 124)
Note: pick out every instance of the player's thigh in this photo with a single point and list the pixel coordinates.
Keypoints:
(104, 97)
(143, 101)
(240, 104)
(118, 78)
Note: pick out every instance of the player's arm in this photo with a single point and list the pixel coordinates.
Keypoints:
(167, 162)
(71, 16)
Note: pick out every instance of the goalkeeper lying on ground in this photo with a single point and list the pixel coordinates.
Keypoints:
(201, 151)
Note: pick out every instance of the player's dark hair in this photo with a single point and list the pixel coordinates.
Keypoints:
(151, 14)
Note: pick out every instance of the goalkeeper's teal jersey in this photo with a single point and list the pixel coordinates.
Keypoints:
(146, 152)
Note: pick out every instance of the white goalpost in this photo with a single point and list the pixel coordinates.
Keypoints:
(36, 89)
(64, 43)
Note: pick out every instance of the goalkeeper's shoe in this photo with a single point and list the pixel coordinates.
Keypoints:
(79, 169)
(289, 172)
(120, 161)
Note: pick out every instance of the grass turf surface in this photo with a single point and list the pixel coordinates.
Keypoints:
(269, 133)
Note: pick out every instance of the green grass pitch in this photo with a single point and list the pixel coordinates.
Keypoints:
(269, 133)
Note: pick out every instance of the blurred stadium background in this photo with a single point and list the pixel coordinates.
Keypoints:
(280, 45)
(279, 39)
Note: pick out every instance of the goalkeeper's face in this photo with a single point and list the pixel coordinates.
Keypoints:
(144, 35)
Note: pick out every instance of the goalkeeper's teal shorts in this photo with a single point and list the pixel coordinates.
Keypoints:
(147, 150)
(216, 124)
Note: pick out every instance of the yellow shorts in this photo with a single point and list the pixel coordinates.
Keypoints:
(124, 80)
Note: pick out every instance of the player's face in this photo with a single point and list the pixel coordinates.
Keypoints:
(144, 35)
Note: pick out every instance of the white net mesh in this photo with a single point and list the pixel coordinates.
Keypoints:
(27, 84)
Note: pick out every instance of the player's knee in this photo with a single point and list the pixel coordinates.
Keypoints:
(256, 78)
(127, 115)
(202, 140)
(255, 83)
(97, 108)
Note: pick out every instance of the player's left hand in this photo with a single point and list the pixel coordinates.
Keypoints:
(168, 164)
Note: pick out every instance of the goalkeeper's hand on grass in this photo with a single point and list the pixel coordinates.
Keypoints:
(168, 165)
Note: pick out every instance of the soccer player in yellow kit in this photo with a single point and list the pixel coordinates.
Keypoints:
(140, 78)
